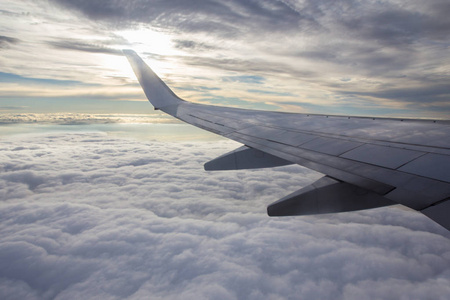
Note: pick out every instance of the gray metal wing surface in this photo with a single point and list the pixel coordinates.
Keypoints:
(368, 162)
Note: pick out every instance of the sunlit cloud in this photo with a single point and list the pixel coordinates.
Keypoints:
(78, 118)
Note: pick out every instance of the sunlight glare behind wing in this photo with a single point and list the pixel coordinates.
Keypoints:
(149, 40)
(154, 45)
(117, 66)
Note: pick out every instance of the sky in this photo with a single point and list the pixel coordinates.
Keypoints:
(385, 58)
(86, 214)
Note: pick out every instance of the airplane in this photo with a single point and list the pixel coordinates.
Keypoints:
(368, 162)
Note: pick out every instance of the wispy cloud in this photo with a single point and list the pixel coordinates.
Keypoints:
(5, 41)
(7, 108)
(395, 54)
(85, 47)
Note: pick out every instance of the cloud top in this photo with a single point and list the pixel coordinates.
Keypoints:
(88, 215)
(79, 118)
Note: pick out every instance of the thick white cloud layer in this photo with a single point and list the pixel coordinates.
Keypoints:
(87, 215)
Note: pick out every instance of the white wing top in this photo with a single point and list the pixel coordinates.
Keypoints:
(368, 162)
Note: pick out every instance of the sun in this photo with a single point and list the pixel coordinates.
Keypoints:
(144, 41)
(155, 46)
(149, 40)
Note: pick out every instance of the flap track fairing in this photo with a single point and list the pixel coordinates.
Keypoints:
(324, 196)
(245, 158)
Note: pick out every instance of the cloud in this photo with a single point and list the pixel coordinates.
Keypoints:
(85, 47)
(8, 108)
(246, 66)
(401, 26)
(192, 45)
(302, 48)
(89, 215)
(6, 41)
(224, 19)
(430, 93)
(79, 118)
(270, 93)
(390, 24)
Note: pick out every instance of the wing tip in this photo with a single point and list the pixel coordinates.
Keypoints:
(127, 52)
(157, 92)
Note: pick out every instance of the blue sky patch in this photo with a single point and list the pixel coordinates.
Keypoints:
(14, 78)
(245, 79)
(198, 88)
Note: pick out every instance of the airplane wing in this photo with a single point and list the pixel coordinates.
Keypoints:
(368, 162)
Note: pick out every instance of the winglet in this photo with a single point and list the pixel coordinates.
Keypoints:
(157, 92)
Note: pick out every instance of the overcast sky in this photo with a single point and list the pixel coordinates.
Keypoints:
(345, 57)
(85, 215)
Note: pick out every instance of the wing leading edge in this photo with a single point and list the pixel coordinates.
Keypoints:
(368, 162)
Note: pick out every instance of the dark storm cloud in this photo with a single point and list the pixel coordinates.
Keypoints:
(85, 47)
(88, 215)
